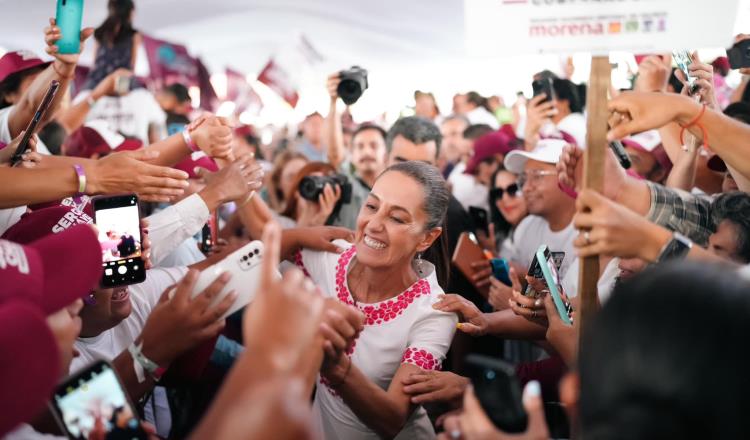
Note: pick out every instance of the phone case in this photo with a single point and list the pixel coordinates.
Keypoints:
(468, 251)
(552, 286)
(499, 392)
(244, 265)
(69, 19)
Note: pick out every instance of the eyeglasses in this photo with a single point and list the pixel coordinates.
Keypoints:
(534, 176)
(513, 190)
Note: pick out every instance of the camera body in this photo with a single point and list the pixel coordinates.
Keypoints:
(353, 84)
(311, 187)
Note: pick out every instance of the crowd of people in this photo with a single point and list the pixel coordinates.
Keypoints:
(363, 317)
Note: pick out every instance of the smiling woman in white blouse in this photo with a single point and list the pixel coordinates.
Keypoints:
(389, 275)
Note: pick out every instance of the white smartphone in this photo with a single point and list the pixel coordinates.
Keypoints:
(245, 266)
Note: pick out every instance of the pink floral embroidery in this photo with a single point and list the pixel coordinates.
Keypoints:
(421, 358)
(384, 311)
(301, 264)
(325, 382)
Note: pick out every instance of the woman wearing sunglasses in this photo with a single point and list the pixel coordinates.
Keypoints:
(507, 207)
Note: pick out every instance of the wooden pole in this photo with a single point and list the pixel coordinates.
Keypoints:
(596, 148)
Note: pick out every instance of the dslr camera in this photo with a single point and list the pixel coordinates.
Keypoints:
(311, 187)
(353, 84)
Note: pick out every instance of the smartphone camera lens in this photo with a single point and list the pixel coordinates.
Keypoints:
(257, 252)
(245, 258)
(489, 374)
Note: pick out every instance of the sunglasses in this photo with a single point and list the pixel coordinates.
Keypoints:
(513, 190)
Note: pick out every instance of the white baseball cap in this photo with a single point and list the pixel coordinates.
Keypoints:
(547, 151)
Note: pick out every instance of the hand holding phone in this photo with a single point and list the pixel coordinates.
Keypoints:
(119, 223)
(739, 55)
(544, 86)
(499, 392)
(684, 59)
(552, 278)
(69, 18)
(23, 146)
(93, 404)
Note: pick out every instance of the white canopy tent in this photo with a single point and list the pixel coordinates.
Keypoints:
(405, 45)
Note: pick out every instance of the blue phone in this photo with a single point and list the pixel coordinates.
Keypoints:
(69, 18)
(552, 278)
(501, 270)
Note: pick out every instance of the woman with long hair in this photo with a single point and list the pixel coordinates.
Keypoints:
(301, 212)
(392, 273)
(116, 42)
(286, 165)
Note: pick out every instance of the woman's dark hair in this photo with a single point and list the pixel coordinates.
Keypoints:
(117, 27)
(478, 100)
(282, 158)
(12, 83)
(664, 359)
(502, 227)
(566, 90)
(435, 205)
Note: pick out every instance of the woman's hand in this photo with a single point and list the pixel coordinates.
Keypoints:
(130, 171)
(653, 74)
(500, 293)
(214, 136)
(7, 152)
(319, 238)
(530, 308)
(472, 320)
(473, 423)
(613, 230)
(562, 337)
(482, 274)
(52, 35)
(317, 213)
(537, 112)
(429, 386)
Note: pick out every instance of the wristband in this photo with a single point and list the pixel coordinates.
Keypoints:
(189, 141)
(145, 363)
(81, 180)
(695, 121)
(90, 101)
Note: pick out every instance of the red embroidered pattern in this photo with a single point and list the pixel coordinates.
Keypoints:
(384, 311)
(299, 263)
(327, 384)
(421, 358)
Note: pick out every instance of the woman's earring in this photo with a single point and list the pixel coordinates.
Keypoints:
(419, 264)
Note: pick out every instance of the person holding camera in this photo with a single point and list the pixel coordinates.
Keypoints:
(368, 151)
(314, 196)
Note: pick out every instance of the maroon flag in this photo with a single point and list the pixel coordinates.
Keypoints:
(278, 80)
(170, 62)
(209, 100)
(241, 93)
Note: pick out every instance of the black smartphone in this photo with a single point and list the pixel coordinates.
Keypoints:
(739, 55)
(622, 156)
(535, 270)
(208, 234)
(34, 123)
(93, 404)
(119, 222)
(544, 86)
(499, 392)
(480, 218)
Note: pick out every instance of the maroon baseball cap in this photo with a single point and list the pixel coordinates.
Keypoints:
(29, 362)
(197, 160)
(487, 146)
(50, 270)
(18, 61)
(97, 138)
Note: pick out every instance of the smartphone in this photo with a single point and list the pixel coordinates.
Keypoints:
(622, 156)
(535, 270)
(245, 266)
(739, 55)
(552, 278)
(684, 60)
(208, 234)
(69, 18)
(54, 86)
(480, 217)
(544, 86)
(501, 270)
(498, 391)
(96, 393)
(119, 222)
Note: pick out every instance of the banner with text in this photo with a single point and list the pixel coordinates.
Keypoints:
(517, 27)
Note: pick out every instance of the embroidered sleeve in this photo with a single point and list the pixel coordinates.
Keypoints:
(421, 358)
(301, 264)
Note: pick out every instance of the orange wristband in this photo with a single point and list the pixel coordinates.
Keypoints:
(695, 122)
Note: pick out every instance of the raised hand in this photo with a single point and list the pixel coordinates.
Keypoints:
(52, 35)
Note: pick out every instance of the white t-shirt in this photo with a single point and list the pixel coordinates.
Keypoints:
(131, 114)
(575, 125)
(534, 231)
(403, 329)
(114, 341)
(467, 190)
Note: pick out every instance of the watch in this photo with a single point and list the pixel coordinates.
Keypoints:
(676, 249)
